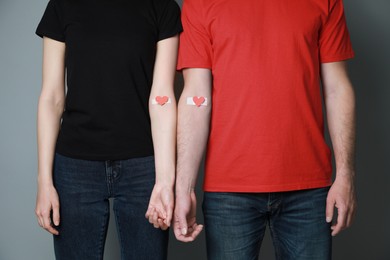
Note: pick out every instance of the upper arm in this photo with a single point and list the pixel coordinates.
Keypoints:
(198, 81)
(53, 85)
(165, 64)
(334, 77)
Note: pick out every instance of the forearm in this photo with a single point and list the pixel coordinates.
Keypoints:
(163, 112)
(341, 121)
(50, 106)
(340, 108)
(193, 131)
(163, 120)
(49, 116)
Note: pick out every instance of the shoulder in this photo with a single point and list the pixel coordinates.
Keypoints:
(195, 3)
(165, 8)
(164, 3)
(201, 6)
(333, 3)
(57, 4)
(198, 2)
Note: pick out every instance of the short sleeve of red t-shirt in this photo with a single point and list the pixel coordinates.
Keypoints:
(195, 50)
(334, 40)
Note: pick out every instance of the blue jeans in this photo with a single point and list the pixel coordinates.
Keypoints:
(84, 188)
(235, 224)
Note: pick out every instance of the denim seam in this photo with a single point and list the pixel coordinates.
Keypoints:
(115, 175)
(275, 240)
(118, 228)
(109, 177)
(103, 234)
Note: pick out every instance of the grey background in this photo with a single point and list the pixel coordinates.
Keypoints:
(20, 79)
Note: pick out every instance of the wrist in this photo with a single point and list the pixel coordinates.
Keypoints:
(164, 185)
(45, 179)
(345, 173)
(185, 185)
(168, 182)
(182, 190)
(165, 175)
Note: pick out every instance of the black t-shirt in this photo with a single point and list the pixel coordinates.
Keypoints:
(110, 54)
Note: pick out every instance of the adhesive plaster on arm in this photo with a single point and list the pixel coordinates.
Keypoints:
(197, 101)
(161, 100)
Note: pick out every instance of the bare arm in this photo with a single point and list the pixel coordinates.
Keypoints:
(50, 108)
(193, 131)
(193, 128)
(340, 108)
(163, 120)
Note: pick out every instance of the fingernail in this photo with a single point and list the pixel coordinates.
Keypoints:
(184, 231)
(328, 219)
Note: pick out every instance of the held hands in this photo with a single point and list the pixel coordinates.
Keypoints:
(185, 227)
(160, 207)
(341, 196)
(47, 205)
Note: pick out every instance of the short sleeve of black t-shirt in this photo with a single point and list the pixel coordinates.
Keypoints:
(109, 59)
(168, 19)
(50, 25)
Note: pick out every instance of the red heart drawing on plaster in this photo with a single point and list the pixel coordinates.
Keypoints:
(162, 100)
(198, 101)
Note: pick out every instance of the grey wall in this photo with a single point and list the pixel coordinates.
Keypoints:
(20, 79)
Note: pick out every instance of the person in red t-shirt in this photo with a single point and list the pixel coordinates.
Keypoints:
(252, 94)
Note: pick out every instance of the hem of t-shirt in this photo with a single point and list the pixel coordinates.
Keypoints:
(341, 57)
(51, 35)
(103, 157)
(170, 34)
(267, 188)
(193, 65)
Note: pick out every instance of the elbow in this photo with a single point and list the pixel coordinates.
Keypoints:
(54, 103)
(343, 90)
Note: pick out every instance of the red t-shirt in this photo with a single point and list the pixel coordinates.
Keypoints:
(267, 129)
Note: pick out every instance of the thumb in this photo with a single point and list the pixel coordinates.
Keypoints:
(330, 203)
(183, 227)
(169, 213)
(56, 215)
(183, 224)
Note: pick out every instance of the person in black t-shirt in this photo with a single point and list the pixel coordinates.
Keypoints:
(110, 131)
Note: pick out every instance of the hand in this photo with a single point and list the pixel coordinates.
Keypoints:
(160, 207)
(341, 196)
(47, 204)
(185, 227)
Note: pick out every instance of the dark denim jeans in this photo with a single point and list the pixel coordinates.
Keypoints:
(84, 189)
(235, 224)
